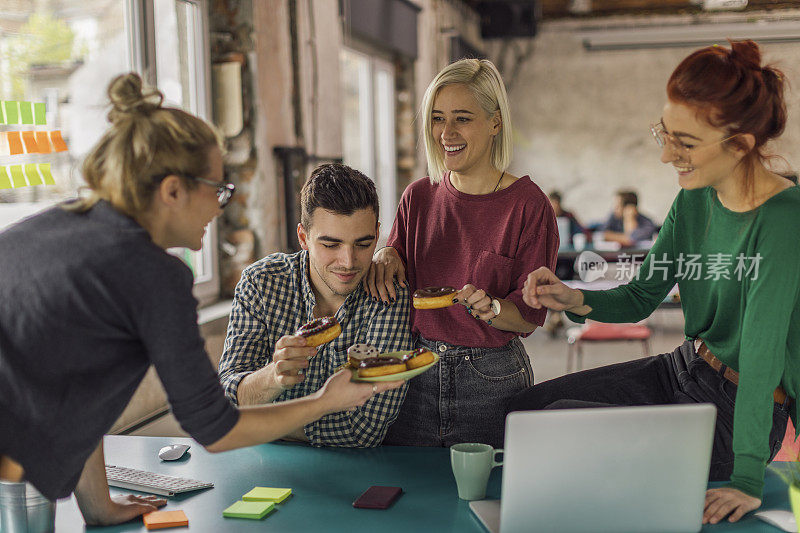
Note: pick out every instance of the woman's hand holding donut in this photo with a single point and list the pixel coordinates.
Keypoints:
(543, 288)
(340, 393)
(379, 281)
(477, 301)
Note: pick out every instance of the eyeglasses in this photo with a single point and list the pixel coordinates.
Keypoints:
(224, 190)
(678, 147)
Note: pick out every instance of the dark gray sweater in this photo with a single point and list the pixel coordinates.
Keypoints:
(87, 303)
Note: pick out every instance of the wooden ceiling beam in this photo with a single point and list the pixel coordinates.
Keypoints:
(552, 9)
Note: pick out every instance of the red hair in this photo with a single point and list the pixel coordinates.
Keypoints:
(731, 90)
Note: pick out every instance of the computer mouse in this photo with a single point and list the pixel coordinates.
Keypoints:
(172, 452)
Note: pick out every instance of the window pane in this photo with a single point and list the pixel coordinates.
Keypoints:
(368, 136)
(176, 48)
(177, 45)
(356, 84)
(385, 160)
(62, 53)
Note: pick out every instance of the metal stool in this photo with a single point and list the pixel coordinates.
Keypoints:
(600, 332)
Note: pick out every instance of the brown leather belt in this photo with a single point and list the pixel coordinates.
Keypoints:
(779, 395)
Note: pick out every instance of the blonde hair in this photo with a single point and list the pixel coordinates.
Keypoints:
(145, 143)
(486, 84)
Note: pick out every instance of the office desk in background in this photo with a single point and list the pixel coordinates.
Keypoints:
(612, 256)
(324, 483)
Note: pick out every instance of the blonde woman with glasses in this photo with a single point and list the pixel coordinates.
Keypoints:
(730, 243)
(90, 299)
(473, 226)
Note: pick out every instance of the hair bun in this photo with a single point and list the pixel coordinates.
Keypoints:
(128, 96)
(746, 53)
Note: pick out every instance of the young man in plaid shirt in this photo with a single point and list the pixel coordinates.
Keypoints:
(264, 361)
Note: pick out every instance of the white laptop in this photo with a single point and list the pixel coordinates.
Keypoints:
(616, 470)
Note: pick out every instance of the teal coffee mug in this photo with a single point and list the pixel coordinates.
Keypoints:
(472, 463)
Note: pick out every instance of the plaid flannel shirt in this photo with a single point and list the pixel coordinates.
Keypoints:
(274, 298)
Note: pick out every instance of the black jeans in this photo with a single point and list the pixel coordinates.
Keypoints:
(670, 378)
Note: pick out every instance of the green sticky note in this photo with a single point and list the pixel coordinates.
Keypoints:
(17, 177)
(33, 175)
(39, 113)
(267, 494)
(44, 169)
(11, 109)
(26, 112)
(252, 510)
(5, 181)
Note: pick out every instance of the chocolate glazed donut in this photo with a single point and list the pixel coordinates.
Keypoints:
(434, 297)
(380, 366)
(320, 331)
(417, 358)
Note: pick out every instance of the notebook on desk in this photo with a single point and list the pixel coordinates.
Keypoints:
(625, 469)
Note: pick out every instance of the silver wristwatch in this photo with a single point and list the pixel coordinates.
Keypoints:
(496, 307)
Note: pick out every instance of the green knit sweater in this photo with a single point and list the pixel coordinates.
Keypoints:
(739, 281)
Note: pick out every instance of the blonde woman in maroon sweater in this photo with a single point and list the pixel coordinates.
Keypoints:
(473, 226)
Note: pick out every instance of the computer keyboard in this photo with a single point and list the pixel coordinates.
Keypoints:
(130, 478)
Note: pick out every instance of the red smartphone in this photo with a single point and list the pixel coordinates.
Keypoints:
(377, 497)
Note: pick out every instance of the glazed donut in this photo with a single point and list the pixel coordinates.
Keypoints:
(380, 366)
(320, 331)
(417, 358)
(358, 352)
(434, 297)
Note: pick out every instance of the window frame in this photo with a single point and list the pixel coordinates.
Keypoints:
(386, 184)
(139, 27)
(143, 45)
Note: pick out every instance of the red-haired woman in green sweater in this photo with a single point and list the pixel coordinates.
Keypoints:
(730, 241)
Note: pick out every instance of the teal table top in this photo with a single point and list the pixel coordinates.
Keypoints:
(324, 483)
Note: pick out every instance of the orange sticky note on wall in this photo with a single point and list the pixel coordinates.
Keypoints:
(29, 138)
(43, 142)
(164, 519)
(58, 141)
(14, 142)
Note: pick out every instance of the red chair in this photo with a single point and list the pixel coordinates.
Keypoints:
(790, 449)
(600, 332)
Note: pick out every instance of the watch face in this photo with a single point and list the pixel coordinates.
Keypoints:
(496, 306)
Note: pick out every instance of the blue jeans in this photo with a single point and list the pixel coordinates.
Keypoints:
(463, 398)
(671, 378)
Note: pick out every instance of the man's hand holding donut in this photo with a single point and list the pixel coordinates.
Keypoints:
(284, 372)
